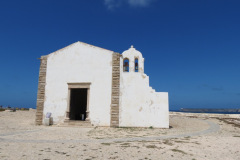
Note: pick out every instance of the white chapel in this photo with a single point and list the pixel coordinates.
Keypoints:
(99, 87)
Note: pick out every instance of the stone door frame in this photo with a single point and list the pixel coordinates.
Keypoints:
(84, 85)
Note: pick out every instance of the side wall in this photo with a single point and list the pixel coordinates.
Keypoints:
(140, 105)
(79, 63)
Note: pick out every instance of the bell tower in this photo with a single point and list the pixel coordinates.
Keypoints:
(133, 61)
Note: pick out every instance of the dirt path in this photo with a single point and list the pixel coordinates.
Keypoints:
(213, 127)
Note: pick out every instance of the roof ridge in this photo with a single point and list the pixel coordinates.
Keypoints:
(94, 46)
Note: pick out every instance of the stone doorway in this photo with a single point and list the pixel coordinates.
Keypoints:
(78, 104)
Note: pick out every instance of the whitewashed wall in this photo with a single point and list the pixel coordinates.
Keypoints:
(140, 105)
(79, 63)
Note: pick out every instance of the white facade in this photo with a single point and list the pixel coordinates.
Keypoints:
(139, 104)
(79, 62)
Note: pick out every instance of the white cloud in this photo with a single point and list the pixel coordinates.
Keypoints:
(112, 4)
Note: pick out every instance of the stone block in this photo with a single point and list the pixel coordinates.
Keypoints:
(48, 121)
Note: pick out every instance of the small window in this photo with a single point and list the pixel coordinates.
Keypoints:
(126, 65)
(136, 65)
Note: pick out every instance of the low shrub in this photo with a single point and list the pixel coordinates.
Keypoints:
(1, 109)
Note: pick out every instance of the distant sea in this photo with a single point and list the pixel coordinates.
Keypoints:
(206, 110)
(17, 107)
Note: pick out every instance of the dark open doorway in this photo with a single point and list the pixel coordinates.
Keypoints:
(78, 104)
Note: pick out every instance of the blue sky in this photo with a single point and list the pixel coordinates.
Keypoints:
(191, 48)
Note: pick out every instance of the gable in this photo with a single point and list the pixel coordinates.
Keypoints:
(79, 45)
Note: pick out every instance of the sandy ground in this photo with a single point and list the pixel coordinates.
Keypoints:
(193, 138)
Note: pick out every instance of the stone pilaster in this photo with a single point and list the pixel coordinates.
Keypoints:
(115, 89)
(41, 90)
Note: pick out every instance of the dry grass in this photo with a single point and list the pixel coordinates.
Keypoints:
(179, 151)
